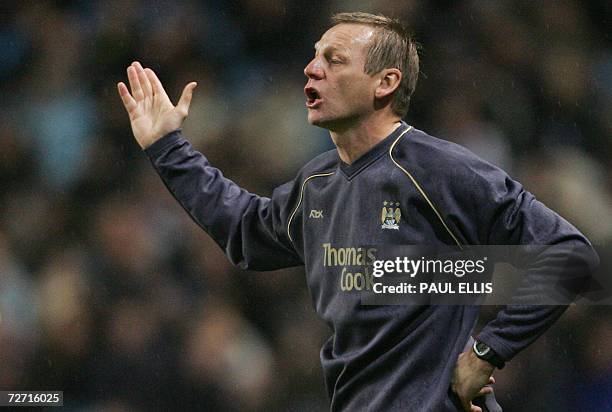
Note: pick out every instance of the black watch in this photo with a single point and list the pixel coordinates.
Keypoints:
(484, 352)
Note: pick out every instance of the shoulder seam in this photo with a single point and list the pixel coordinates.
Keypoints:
(420, 189)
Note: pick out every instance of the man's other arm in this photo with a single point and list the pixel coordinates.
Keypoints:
(496, 210)
(489, 208)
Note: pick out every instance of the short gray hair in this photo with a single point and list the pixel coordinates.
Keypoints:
(392, 47)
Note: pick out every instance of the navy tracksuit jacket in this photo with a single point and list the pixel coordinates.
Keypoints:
(379, 358)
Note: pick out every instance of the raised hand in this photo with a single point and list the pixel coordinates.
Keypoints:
(152, 114)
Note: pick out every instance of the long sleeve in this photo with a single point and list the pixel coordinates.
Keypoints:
(501, 212)
(249, 228)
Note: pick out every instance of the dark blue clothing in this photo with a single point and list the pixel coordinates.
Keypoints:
(379, 358)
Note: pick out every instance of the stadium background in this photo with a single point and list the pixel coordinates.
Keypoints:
(109, 292)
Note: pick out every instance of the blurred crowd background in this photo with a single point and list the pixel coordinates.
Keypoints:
(110, 293)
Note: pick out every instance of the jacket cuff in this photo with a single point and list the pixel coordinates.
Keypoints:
(500, 348)
(164, 143)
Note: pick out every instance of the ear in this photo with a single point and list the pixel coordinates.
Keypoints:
(389, 81)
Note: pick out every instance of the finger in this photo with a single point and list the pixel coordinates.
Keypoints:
(491, 380)
(185, 100)
(134, 83)
(158, 88)
(128, 100)
(484, 391)
(474, 408)
(144, 80)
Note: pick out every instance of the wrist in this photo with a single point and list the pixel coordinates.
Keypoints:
(160, 145)
(481, 365)
(483, 352)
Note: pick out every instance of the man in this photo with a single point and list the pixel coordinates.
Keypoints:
(380, 358)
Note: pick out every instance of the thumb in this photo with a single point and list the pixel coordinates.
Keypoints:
(185, 100)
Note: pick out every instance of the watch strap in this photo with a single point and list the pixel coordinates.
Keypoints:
(486, 353)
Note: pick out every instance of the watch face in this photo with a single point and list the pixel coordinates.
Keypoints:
(481, 348)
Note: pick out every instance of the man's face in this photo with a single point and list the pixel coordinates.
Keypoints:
(339, 92)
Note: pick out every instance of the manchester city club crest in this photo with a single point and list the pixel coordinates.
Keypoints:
(391, 215)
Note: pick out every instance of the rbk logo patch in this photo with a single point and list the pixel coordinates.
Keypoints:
(316, 214)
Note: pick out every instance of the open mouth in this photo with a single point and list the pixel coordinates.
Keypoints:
(313, 98)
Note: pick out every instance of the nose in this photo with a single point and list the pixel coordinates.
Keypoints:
(313, 70)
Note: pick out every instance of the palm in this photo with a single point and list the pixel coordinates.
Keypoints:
(150, 117)
(152, 114)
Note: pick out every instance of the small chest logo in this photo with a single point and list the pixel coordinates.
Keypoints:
(391, 215)
(316, 214)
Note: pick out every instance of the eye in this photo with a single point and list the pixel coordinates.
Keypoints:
(335, 59)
